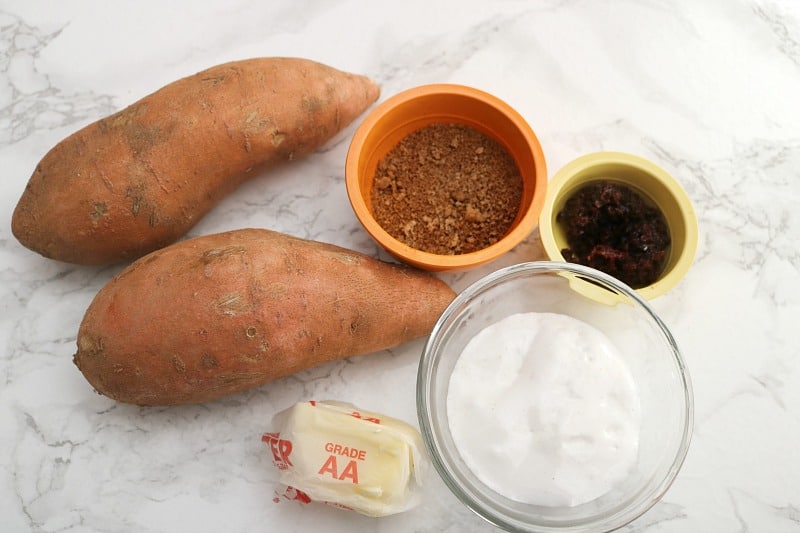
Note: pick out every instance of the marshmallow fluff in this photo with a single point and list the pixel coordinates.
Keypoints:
(543, 410)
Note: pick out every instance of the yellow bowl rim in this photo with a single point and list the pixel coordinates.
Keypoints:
(567, 174)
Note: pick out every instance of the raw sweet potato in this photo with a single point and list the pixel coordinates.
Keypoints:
(217, 314)
(139, 179)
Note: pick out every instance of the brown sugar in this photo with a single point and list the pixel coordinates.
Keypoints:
(447, 189)
(610, 227)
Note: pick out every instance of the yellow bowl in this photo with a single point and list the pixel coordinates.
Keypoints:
(653, 183)
(421, 106)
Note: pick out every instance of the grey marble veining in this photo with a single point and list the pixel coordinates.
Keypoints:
(706, 89)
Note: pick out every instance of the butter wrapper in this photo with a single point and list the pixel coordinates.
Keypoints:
(334, 453)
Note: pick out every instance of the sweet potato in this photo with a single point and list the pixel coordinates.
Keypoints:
(213, 315)
(139, 179)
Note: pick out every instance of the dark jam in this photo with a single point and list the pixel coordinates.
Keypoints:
(610, 227)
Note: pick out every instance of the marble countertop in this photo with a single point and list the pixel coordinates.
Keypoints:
(706, 89)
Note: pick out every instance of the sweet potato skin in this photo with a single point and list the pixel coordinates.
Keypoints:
(218, 314)
(139, 179)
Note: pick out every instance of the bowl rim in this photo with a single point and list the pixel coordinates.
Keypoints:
(423, 390)
(566, 174)
(426, 260)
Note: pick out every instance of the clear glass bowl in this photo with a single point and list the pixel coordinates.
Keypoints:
(646, 345)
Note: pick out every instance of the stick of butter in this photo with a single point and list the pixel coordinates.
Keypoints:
(333, 453)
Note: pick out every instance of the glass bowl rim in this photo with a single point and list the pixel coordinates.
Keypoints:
(429, 359)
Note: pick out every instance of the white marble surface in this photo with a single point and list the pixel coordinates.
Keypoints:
(708, 89)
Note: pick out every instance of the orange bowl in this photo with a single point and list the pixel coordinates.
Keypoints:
(413, 109)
